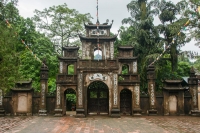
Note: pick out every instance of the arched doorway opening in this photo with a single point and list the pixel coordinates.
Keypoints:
(98, 98)
(126, 102)
(70, 101)
(97, 54)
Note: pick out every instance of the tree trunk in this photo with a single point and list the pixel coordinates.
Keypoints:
(174, 57)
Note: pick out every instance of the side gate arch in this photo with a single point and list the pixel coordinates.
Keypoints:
(60, 109)
(126, 101)
(64, 90)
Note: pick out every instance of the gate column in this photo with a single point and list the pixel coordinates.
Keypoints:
(44, 88)
(115, 111)
(136, 101)
(58, 110)
(151, 90)
(80, 111)
(193, 87)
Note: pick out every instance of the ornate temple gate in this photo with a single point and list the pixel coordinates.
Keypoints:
(98, 100)
(125, 102)
(97, 82)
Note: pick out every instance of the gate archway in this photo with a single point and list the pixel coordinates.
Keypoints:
(98, 98)
(69, 101)
(126, 102)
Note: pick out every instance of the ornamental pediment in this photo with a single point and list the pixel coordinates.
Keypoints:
(98, 76)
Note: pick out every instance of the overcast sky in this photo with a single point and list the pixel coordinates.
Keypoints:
(108, 9)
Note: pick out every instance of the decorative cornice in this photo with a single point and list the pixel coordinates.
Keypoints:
(101, 26)
(67, 58)
(125, 48)
(95, 38)
(70, 48)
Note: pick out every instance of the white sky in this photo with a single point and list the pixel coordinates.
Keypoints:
(108, 9)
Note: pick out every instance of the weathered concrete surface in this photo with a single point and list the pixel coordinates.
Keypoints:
(100, 124)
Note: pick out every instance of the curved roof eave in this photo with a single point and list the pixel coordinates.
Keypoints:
(94, 26)
(100, 38)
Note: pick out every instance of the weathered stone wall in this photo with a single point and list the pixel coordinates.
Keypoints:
(187, 104)
(7, 104)
(50, 101)
(50, 104)
(144, 100)
(144, 103)
(36, 104)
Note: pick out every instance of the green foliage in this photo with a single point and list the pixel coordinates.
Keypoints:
(61, 23)
(149, 40)
(142, 34)
(120, 78)
(197, 64)
(71, 98)
(170, 28)
(183, 69)
(125, 69)
(9, 57)
(71, 69)
(194, 16)
(30, 69)
(51, 85)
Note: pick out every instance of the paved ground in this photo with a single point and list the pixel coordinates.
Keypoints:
(100, 124)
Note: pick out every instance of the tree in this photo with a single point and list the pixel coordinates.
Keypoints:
(61, 23)
(197, 64)
(9, 58)
(171, 29)
(192, 12)
(142, 34)
(39, 47)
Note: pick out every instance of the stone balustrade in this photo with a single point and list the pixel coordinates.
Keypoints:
(97, 64)
(63, 78)
(128, 78)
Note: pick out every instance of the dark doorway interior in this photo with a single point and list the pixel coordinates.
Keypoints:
(98, 98)
(126, 102)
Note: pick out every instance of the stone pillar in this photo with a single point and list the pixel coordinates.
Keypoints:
(136, 100)
(2, 111)
(58, 110)
(115, 111)
(193, 87)
(80, 111)
(151, 90)
(44, 88)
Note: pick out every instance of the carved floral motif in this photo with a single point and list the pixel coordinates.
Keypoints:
(58, 95)
(111, 50)
(80, 95)
(135, 67)
(137, 95)
(115, 88)
(61, 67)
(152, 94)
(98, 76)
(43, 93)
